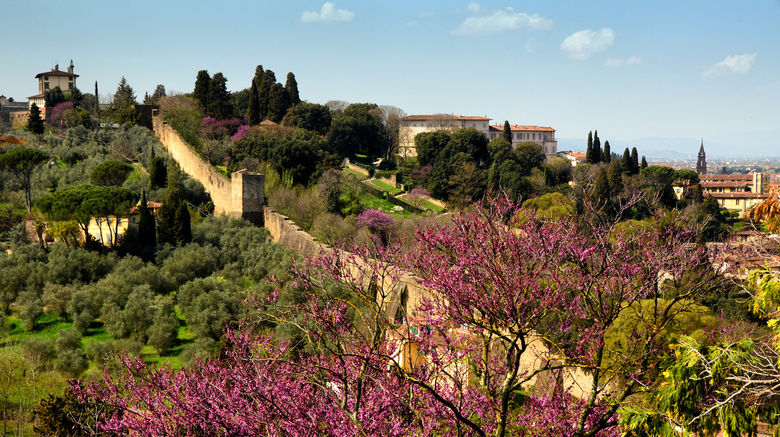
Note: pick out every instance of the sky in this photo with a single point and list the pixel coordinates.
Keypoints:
(660, 75)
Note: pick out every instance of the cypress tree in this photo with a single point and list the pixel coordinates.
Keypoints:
(97, 102)
(166, 216)
(644, 162)
(615, 178)
(277, 103)
(147, 234)
(151, 168)
(201, 92)
(253, 116)
(589, 151)
(264, 91)
(607, 152)
(507, 133)
(34, 123)
(291, 86)
(596, 152)
(219, 105)
(626, 162)
(183, 229)
(259, 74)
(635, 161)
(601, 188)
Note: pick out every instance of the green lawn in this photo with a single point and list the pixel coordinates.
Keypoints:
(355, 173)
(384, 186)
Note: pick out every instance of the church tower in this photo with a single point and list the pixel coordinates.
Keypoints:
(701, 164)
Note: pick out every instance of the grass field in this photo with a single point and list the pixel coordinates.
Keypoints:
(384, 186)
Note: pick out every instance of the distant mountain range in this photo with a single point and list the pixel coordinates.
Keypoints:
(764, 144)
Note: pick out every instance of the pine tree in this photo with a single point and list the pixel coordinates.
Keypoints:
(291, 86)
(596, 152)
(253, 115)
(201, 92)
(34, 123)
(589, 151)
(635, 161)
(507, 133)
(644, 162)
(147, 234)
(607, 153)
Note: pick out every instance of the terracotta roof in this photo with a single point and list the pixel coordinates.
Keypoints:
(149, 204)
(741, 184)
(522, 128)
(454, 117)
(267, 122)
(726, 177)
(37, 96)
(577, 155)
(56, 73)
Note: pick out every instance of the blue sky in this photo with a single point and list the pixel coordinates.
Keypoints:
(633, 70)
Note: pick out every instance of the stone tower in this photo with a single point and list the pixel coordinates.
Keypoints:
(701, 164)
(247, 196)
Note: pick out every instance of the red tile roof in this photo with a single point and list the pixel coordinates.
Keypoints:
(37, 96)
(726, 184)
(454, 117)
(739, 195)
(725, 177)
(522, 128)
(56, 73)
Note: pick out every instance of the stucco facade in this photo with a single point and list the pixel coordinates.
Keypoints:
(543, 136)
(415, 124)
(48, 80)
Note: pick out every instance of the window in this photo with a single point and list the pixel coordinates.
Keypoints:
(517, 136)
(46, 85)
(45, 77)
(492, 135)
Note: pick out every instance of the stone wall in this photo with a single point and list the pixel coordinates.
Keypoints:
(289, 235)
(217, 185)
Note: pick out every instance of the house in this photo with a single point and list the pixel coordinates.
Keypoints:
(574, 158)
(109, 231)
(736, 192)
(543, 136)
(65, 80)
(414, 124)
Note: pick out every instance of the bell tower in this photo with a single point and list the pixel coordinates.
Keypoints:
(701, 164)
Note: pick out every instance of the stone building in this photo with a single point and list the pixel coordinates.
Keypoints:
(49, 80)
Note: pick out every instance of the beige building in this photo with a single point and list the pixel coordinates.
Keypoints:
(414, 124)
(543, 136)
(49, 80)
(736, 192)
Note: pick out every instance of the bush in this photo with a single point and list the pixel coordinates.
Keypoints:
(184, 116)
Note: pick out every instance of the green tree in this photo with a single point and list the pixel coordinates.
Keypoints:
(644, 162)
(21, 163)
(596, 152)
(183, 227)
(158, 171)
(589, 150)
(615, 178)
(429, 144)
(291, 86)
(253, 116)
(35, 123)
(601, 191)
(607, 153)
(310, 116)
(264, 91)
(53, 97)
(110, 173)
(507, 132)
(627, 163)
(529, 156)
(218, 98)
(122, 106)
(201, 91)
(358, 130)
(147, 231)
(278, 102)
(70, 356)
(634, 160)
(162, 334)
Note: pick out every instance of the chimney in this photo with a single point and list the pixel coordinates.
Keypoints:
(70, 68)
(56, 67)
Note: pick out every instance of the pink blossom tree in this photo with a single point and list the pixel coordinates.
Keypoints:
(513, 306)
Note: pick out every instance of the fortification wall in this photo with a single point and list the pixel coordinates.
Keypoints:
(217, 185)
(285, 232)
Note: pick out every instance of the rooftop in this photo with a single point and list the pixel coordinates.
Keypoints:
(445, 116)
(522, 128)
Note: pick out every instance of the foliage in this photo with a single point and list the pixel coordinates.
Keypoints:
(20, 163)
(110, 173)
(123, 104)
(358, 130)
(218, 103)
(35, 123)
(291, 88)
(184, 115)
(309, 116)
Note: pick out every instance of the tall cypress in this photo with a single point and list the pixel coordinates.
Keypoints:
(259, 74)
(253, 116)
(644, 162)
(146, 229)
(264, 92)
(183, 228)
(97, 102)
(596, 152)
(291, 86)
(507, 133)
(219, 105)
(151, 168)
(615, 178)
(635, 161)
(626, 162)
(607, 152)
(589, 151)
(277, 103)
(201, 92)
(166, 216)
(601, 189)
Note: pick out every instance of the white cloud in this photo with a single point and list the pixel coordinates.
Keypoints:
(737, 64)
(581, 45)
(501, 20)
(615, 62)
(328, 13)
